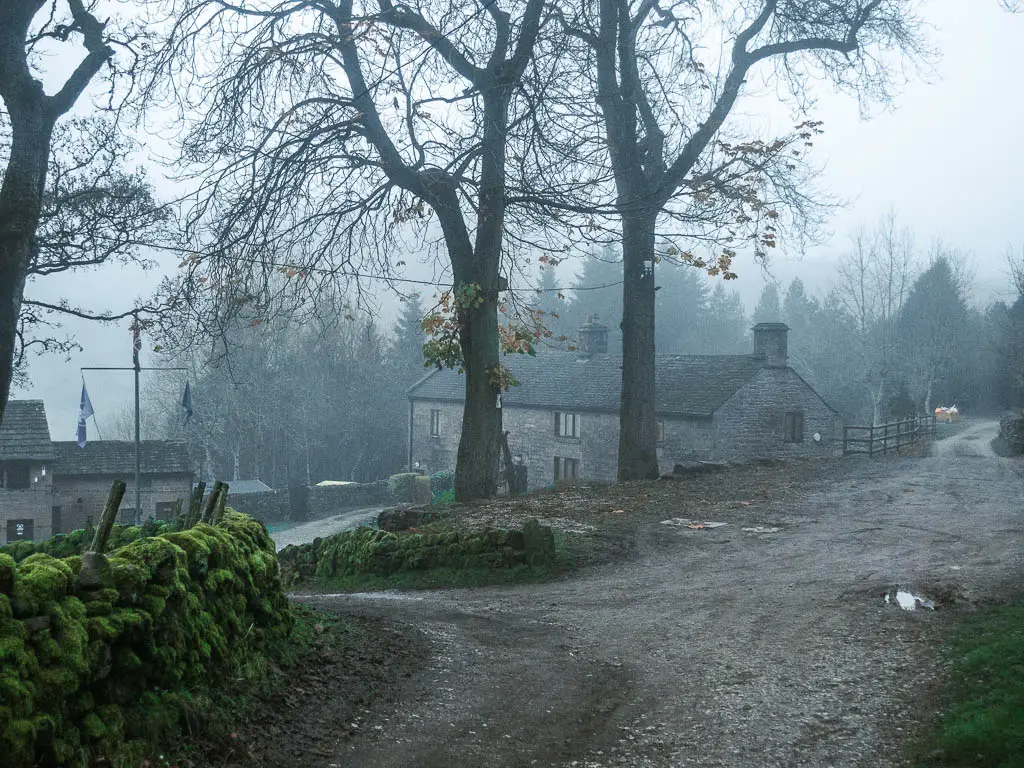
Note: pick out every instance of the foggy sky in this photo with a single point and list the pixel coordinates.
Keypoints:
(945, 157)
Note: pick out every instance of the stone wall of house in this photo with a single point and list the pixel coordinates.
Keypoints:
(531, 437)
(686, 439)
(436, 453)
(34, 503)
(81, 498)
(751, 424)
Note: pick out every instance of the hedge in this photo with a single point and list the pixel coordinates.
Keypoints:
(98, 675)
(370, 551)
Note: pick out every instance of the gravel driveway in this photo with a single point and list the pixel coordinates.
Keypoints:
(715, 647)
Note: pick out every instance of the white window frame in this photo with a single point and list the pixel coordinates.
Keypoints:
(567, 425)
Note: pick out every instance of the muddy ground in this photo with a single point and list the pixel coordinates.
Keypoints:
(675, 646)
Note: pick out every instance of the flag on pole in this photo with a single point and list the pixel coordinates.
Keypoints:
(84, 412)
(186, 403)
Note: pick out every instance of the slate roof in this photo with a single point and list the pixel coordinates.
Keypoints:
(117, 457)
(24, 433)
(242, 487)
(686, 385)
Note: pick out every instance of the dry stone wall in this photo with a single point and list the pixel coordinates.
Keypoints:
(91, 675)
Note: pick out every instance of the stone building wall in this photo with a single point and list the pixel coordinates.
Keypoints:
(83, 497)
(751, 424)
(34, 503)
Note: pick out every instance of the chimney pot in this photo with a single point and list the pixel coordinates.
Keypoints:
(771, 342)
(592, 338)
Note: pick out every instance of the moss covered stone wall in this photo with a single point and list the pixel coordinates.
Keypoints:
(96, 675)
(370, 551)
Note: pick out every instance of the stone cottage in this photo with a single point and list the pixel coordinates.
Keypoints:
(563, 420)
(26, 473)
(83, 476)
(51, 487)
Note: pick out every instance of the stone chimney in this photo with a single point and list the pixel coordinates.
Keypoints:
(770, 343)
(592, 338)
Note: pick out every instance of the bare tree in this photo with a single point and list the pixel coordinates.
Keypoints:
(24, 32)
(1015, 264)
(664, 114)
(873, 280)
(95, 212)
(337, 133)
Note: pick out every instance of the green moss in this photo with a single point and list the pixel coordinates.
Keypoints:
(173, 610)
(93, 727)
(6, 573)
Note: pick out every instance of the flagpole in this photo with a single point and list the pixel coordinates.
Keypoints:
(138, 453)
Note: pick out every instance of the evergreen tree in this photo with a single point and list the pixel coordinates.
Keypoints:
(589, 300)
(768, 309)
(681, 309)
(725, 330)
(406, 351)
(933, 334)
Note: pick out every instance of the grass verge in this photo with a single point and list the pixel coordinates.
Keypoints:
(982, 725)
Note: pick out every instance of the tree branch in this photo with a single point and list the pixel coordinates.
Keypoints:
(99, 53)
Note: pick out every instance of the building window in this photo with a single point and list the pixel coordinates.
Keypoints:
(566, 469)
(659, 431)
(567, 424)
(794, 427)
(435, 423)
(16, 475)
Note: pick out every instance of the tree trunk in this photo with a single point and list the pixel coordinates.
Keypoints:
(876, 402)
(477, 462)
(638, 453)
(21, 201)
(481, 417)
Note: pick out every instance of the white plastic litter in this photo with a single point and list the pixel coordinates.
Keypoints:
(908, 601)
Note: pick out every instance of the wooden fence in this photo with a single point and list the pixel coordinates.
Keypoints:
(883, 438)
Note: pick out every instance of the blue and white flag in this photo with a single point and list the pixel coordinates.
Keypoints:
(186, 403)
(84, 412)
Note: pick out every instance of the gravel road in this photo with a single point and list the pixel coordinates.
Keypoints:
(715, 647)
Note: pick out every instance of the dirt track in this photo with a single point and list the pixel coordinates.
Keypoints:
(715, 647)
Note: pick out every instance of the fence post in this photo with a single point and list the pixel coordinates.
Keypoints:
(871, 440)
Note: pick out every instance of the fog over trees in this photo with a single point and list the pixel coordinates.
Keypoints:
(549, 162)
